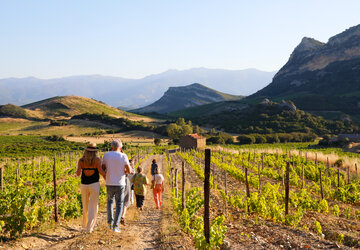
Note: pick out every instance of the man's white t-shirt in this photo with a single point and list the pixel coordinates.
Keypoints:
(115, 162)
(158, 178)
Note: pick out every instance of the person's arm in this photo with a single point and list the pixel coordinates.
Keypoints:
(100, 169)
(152, 182)
(78, 171)
(103, 164)
(127, 169)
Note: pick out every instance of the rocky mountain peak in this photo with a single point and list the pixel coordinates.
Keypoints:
(308, 44)
(347, 35)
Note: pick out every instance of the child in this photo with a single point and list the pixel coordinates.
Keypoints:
(139, 180)
(158, 187)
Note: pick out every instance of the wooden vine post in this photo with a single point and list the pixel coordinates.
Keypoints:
(321, 185)
(176, 182)
(183, 186)
(225, 180)
(2, 177)
(338, 175)
(55, 194)
(303, 177)
(259, 174)
(348, 174)
(247, 189)
(33, 167)
(262, 161)
(18, 172)
(356, 174)
(207, 196)
(287, 188)
(171, 178)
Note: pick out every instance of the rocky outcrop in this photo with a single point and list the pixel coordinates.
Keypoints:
(321, 76)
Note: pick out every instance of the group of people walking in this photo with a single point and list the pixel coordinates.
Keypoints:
(121, 182)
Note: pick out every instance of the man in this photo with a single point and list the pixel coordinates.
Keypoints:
(117, 166)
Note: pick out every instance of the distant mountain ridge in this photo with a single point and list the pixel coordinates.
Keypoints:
(176, 98)
(133, 93)
(321, 76)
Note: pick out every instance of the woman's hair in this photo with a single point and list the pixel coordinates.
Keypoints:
(154, 161)
(89, 157)
(157, 171)
(139, 169)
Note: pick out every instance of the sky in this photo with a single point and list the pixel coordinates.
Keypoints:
(134, 38)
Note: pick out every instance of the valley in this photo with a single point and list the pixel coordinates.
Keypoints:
(275, 169)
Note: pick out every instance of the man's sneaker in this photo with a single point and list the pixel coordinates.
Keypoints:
(116, 230)
(110, 227)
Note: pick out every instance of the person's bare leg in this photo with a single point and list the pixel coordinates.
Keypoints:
(123, 213)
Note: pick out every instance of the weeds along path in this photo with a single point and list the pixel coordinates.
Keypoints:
(141, 231)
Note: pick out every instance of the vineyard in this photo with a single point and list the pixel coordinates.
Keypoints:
(40, 190)
(256, 199)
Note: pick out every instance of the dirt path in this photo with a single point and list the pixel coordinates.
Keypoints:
(141, 231)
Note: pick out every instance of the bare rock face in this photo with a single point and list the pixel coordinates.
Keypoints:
(321, 76)
(312, 55)
(286, 104)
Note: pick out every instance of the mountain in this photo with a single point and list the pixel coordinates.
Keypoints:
(68, 106)
(176, 98)
(133, 93)
(322, 77)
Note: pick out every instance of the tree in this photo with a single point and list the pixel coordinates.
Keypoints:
(173, 130)
(180, 122)
(157, 141)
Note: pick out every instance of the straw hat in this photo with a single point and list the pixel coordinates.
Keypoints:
(91, 147)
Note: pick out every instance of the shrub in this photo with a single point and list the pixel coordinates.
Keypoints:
(246, 139)
(157, 141)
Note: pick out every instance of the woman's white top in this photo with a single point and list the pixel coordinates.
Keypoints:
(158, 178)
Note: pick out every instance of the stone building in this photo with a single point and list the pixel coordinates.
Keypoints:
(192, 141)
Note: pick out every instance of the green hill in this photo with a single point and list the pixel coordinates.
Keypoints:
(11, 110)
(177, 98)
(68, 106)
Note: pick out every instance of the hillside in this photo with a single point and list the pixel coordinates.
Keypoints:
(176, 98)
(131, 93)
(266, 118)
(10, 110)
(68, 106)
(320, 76)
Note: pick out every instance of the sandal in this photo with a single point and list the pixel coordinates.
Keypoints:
(122, 221)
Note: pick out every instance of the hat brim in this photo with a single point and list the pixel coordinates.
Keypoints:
(91, 149)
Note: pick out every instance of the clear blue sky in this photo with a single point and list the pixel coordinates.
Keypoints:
(55, 38)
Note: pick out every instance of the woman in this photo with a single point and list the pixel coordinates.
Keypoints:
(128, 192)
(89, 166)
(154, 167)
(158, 187)
(140, 181)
